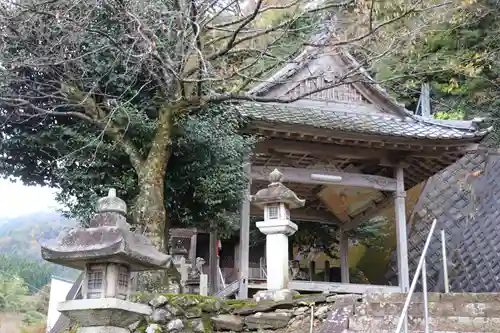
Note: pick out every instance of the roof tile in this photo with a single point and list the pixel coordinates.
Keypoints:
(336, 118)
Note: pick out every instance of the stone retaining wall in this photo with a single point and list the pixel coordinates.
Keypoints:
(373, 313)
(463, 312)
(191, 313)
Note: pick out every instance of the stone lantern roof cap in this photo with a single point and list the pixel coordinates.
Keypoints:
(276, 192)
(111, 204)
(107, 239)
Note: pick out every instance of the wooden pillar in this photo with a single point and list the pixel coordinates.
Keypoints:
(344, 260)
(213, 269)
(192, 248)
(312, 270)
(402, 240)
(326, 272)
(245, 237)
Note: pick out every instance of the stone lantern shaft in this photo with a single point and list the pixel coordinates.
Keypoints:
(276, 200)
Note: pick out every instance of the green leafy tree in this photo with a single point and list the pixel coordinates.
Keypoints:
(34, 274)
(112, 93)
(12, 291)
(459, 58)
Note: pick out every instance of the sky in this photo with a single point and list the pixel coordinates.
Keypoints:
(17, 199)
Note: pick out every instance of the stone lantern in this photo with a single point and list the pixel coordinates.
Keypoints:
(276, 200)
(107, 252)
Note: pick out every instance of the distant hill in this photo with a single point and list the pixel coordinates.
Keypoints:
(20, 236)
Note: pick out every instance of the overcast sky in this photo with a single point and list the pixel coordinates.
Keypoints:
(17, 199)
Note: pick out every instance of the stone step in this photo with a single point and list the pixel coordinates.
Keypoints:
(436, 309)
(459, 298)
(361, 323)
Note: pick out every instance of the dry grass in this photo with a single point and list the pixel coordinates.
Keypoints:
(13, 323)
(10, 323)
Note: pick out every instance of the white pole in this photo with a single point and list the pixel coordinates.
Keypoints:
(221, 276)
(418, 271)
(426, 301)
(445, 262)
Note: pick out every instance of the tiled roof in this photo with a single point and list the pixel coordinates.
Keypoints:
(358, 119)
(470, 216)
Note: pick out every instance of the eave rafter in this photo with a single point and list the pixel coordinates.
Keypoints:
(359, 150)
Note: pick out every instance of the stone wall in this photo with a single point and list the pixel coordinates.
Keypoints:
(192, 313)
(454, 312)
(372, 313)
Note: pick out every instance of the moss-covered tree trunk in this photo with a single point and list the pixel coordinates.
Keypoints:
(149, 208)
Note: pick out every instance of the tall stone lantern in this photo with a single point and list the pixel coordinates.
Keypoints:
(107, 252)
(276, 200)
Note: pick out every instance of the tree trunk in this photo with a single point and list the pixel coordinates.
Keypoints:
(149, 209)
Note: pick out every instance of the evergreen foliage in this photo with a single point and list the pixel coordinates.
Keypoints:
(459, 58)
(135, 95)
(34, 274)
(12, 290)
(98, 96)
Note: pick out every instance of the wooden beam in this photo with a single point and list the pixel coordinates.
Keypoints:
(192, 249)
(318, 149)
(303, 176)
(344, 262)
(333, 150)
(245, 238)
(304, 214)
(369, 213)
(212, 264)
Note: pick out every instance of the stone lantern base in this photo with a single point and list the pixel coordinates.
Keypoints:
(103, 315)
(275, 295)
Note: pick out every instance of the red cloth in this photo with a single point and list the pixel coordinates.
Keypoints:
(218, 248)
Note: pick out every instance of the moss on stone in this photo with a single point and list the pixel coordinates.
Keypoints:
(235, 304)
(142, 297)
(207, 323)
(176, 299)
